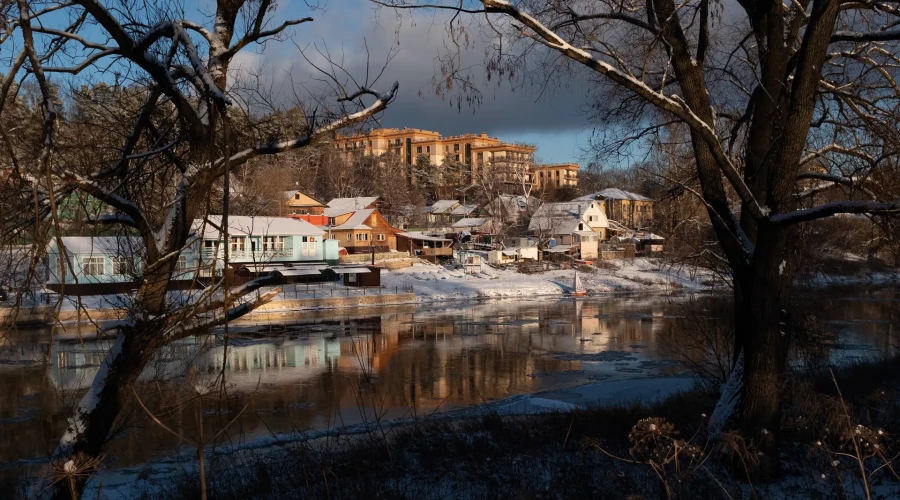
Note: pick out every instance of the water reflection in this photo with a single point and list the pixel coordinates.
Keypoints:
(336, 369)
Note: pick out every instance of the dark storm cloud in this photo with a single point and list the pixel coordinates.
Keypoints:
(501, 111)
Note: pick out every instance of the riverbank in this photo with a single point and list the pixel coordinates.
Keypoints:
(542, 447)
(430, 283)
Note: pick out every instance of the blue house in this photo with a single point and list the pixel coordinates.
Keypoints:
(262, 244)
(92, 265)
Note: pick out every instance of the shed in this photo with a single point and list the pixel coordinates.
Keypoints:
(360, 276)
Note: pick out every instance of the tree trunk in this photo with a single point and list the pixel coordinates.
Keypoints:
(761, 338)
(96, 413)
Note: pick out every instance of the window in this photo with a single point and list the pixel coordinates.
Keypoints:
(591, 218)
(331, 221)
(181, 264)
(480, 156)
(273, 243)
(297, 196)
(581, 226)
(312, 239)
(456, 147)
(427, 149)
(93, 266)
(349, 236)
(238, 243)
(381, 237)
(362, 236)
(419, 149)
(122, 266)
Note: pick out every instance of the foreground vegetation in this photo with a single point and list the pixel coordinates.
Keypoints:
(836, 441)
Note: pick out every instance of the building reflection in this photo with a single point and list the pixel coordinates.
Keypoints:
(334, 370)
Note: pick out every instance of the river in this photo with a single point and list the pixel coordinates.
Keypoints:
(335, 368)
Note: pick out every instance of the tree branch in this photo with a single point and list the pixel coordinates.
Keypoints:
(837, 207)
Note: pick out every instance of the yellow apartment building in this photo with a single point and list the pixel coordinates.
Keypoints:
(565, 174)
(475, 150)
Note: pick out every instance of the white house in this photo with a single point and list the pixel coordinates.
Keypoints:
(94, 265)
(264, 240)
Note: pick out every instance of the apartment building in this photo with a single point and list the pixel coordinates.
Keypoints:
(548, 176)
(475, 150)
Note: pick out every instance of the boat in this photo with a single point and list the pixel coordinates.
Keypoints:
(577, 288)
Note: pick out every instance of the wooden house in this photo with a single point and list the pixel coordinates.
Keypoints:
(427, 246)
(361, 230)
(298, 205)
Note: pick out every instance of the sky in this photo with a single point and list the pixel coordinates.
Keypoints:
(555, 122)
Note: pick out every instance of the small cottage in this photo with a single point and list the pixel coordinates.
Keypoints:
(98, 265)
(260, 241)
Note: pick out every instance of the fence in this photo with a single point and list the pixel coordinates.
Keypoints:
(333, 289)
(365, 258)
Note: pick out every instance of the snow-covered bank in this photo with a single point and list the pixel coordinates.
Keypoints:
(129, 482)
(433, 282)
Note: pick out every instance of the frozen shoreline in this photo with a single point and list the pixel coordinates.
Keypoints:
(127, 482)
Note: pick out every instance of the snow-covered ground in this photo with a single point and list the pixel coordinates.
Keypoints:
(434, 282)
(128, 482)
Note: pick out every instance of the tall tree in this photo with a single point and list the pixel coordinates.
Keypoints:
(170, 145)
(765, 89)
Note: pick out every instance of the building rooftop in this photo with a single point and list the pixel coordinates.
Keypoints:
(256, 226)
(356, 221)
(613, 194)
(341, 206)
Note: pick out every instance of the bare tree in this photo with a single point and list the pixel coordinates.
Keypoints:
(170, 152)
(765, 90)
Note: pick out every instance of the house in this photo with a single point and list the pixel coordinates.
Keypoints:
(440, 212)
(474, 225)
(96, 265)
(512, 255)
(304, 207)
(339, 210)
(261, 242)
(631, 210)
(562, 221)
(463, 211)
(427, 246)
(362, 230)
(512, 209)
(576, 227)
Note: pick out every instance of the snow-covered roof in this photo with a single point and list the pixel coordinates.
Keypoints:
(613, 194)
(443, 206)
(472, 222)
(464, 210)
(258, 226)
(290, 194)
(418, 235)
(108, 245)
(651, 236)
(560, 249)
(514, 203)
(341, 206)
(356, 221)
(559, 218)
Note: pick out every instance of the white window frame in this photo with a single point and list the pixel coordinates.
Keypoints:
(122, 266)
(381, 237)
(181, 264)
(89, 266)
